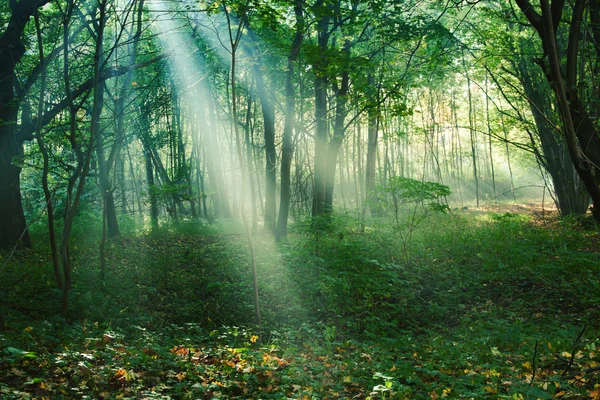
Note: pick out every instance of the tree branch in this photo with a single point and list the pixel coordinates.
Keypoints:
(26, 131)
(531, 15)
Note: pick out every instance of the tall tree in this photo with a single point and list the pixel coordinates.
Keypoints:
(13, 227)
(287, 149)
(563, 74)
(323, 14)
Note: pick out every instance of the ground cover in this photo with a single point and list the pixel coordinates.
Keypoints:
(489, 305)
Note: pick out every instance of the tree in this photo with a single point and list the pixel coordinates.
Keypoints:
(521, 83)
(581, 135)
(320, 93)
(13, 227)
(287, 150)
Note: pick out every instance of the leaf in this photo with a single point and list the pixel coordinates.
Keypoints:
(17, 372)
(491, 390)
(536, 392)
(34, 381)
(15, 351)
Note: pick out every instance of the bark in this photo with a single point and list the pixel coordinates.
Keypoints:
(472, 137)
(13, 227)
(487, 115)
(151, 188)
(268, 113)
(104, 182)
(321, 134)
(250, 164)
(333, 148)
(234, 38)
(287, 150)
(371, 152)
(78, 179)
(570, 192)
(46, 161)
(582, 139)
(214, 163)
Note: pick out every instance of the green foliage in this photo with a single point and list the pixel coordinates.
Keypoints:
(489, 301)
(405, 191)
(410, 202)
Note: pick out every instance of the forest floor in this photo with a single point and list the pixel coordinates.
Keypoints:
(475, 304)
(538, 209)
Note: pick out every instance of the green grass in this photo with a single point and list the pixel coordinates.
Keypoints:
(488, 306)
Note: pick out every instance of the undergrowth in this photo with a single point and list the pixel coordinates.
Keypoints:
(488, 306)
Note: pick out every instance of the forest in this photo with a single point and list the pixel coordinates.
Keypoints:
(311, 199)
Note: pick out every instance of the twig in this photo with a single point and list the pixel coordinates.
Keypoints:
(577, 342)
(534, 363)
(592, 369)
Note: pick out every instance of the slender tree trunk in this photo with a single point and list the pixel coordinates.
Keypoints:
(136, 190)
(320, 166)
(510, 172)
(214, 154)
(234, 38)
(287, 150)
(151, 187)
(106, 189)
(459, 164)
(339, 132)
(371, 151)
(357, 198)
(44, 151)
(107, 162)
(268, 113)
(79, 178)
(489, 125)
(472, 136)
(250, 165)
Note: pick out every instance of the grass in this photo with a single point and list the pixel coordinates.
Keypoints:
(489, 305)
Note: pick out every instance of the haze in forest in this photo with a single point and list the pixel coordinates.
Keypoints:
(358, 170)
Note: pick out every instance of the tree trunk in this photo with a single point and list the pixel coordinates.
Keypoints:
(489, 125)
(268, 113)
(568, 187)
(46, 162)
(234, 40)
(13, 227)
(151, 191)
(472, 137)
(321, 134)
(250, 165)
(333, 149)
(78, 179)
(106, 189)
(287, 150)
(371, 151)
(582, 139)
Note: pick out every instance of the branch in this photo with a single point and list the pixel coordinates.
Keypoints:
(36, 72)
(26, 131)
(532, 16)
(573, 47)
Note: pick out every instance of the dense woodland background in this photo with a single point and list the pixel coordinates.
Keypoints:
(395, 199)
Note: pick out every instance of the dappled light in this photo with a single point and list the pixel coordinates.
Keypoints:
(317, 199)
